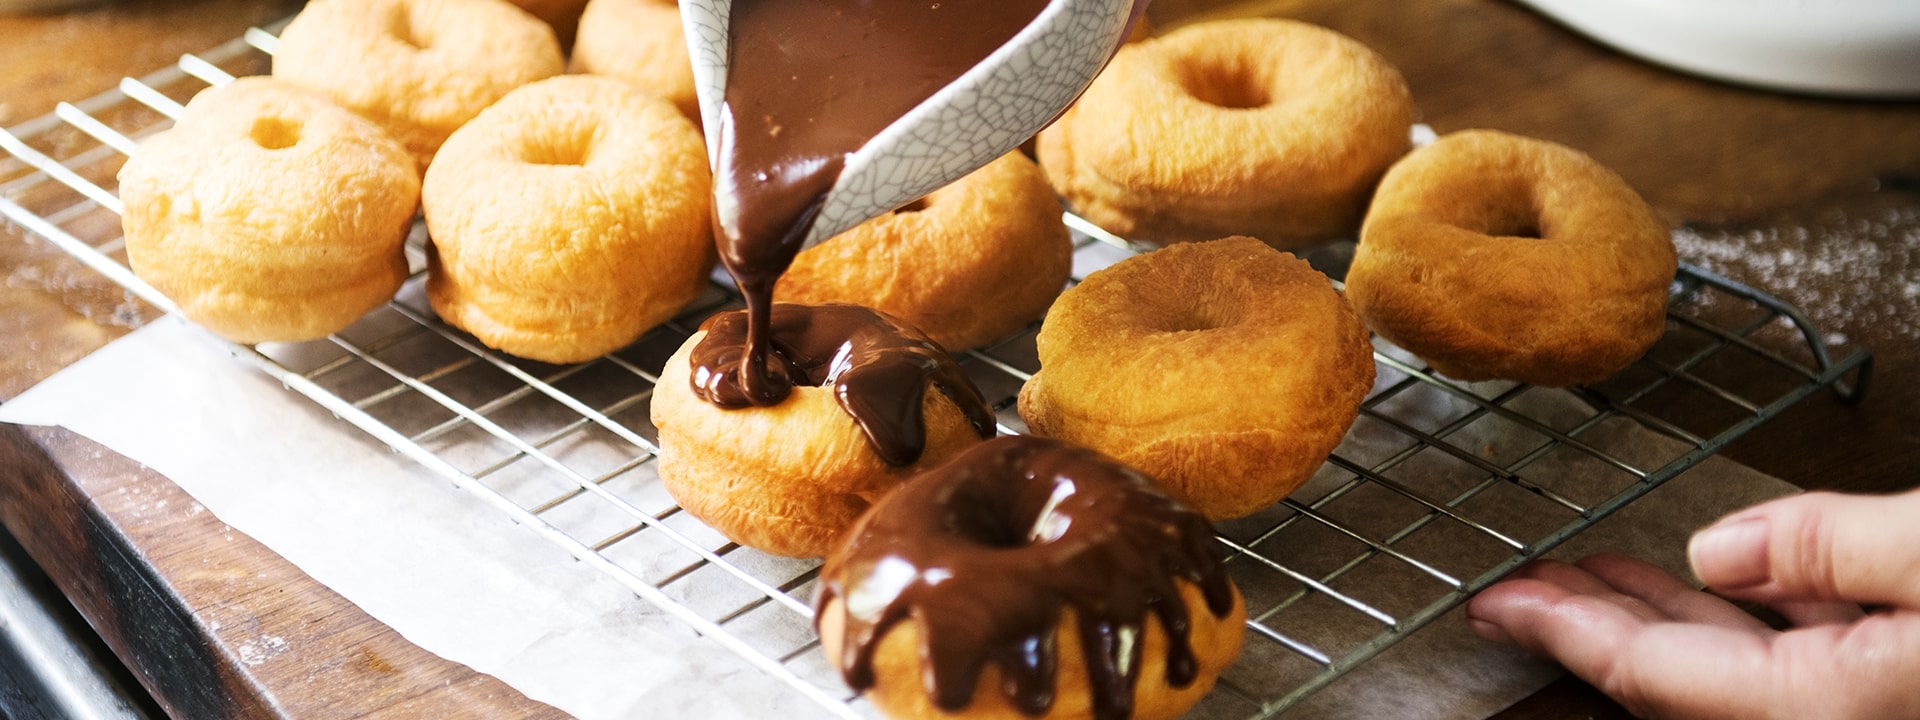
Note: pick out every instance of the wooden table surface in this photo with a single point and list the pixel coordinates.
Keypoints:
(1815, 199)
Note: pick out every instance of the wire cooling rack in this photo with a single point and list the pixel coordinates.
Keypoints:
(1439, 490)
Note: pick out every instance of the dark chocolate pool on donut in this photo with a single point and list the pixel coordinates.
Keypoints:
(985, 552)
(879, 370)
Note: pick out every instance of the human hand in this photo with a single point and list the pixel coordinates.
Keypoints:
(1665, 650)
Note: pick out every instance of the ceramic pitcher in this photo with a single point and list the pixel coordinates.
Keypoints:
(983, 114)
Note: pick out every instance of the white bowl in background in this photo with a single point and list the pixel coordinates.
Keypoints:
(1855, 48)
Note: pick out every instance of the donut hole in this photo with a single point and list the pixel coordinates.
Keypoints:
(1520, 230)
(274, 133)
(1517, 220)
(1197, 317)
(973, 515)
(1234, 86)
(988, 529)
(1506, 203)
(402, 28)
(555, 149)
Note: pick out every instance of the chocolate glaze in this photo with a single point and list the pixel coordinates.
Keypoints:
(987, 549)
(808, 83)
(879, 370)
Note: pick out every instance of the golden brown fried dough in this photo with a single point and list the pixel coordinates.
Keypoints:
(268, 213)
(641, 42)
(970, 264)
(419, 68)
(1227, 370)
(568, 219)
(1270, 128)
(1491, 255)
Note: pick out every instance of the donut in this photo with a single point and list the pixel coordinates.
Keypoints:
(641, 42)
(268, 213)
(568, 219)
(1494, 256)
(419, 68)
(1227, 370)
(969, 264)
(790, 478)
(1270, 128)
(1014, 581)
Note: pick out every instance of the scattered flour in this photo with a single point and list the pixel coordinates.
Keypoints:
(262, 649)
(1857, 277)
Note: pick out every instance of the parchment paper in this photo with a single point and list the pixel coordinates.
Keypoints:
(451, 574)
(457, 578)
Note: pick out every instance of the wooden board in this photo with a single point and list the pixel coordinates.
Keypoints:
(216, 624)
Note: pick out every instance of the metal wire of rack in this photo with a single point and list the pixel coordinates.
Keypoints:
(1332, 576)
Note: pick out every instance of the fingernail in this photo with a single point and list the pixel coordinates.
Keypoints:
(1731, 556)
(1489, 631)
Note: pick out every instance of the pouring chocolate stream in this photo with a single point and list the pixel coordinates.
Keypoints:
(808, 84)
(804, 87)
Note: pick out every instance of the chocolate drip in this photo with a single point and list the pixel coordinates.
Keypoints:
(987, 549)
(879, 370)
(808, 83)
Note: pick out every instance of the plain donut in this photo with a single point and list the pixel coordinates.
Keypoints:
(268, 213)
(1227, 370)
(1494, 256)
(1270, 128)
(641, 42)
(568, 219)
(419, 68)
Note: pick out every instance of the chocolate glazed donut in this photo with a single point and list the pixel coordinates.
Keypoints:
(1031, 576)
(869, 403)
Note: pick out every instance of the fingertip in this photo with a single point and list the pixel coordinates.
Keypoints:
(1513, 592)
(1814, 546)
(1492, 604)
(1514, 608)
(1583, 632)
(1489, 631)
(1732, 555)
